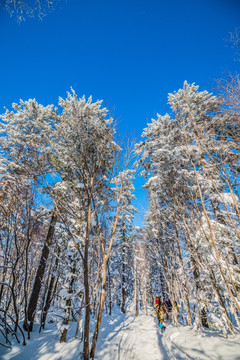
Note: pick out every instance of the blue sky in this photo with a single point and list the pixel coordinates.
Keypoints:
(131, 54)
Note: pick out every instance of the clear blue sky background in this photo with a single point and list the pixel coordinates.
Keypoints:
(129, 53)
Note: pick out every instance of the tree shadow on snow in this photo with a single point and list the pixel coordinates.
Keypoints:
(171, 353)
(46, 346)
(164, 351)
(113, 327)
(108, 343)
(198, 349)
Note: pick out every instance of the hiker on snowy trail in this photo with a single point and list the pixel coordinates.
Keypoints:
(161, 312)
(156, 302)
(177, 308)
(168, 307)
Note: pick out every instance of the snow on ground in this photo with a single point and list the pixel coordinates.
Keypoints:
(186, 343)
(44, 346)
(126, 337)
(130, 338)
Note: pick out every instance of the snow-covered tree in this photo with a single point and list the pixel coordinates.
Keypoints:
(191, 160)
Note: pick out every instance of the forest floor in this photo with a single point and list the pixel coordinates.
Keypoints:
(126, 337)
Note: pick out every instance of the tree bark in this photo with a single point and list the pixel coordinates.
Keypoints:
(136, 288)
(32, 305)
(86, 284)
(104, 277)
(63, 336)
(123, 279)
(109, 290)
(196, 274)
(101, 306)
(186, 295)
(50, 293)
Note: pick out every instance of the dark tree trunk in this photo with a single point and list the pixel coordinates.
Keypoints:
(123, 279)
(87, 310)
(109, 290)
(50, 293)
(100, 311)
(232, 255)
(203, 312)
(32, 305)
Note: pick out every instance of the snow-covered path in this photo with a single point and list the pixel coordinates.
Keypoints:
(138, 338)
(129, 338)
(126, 337)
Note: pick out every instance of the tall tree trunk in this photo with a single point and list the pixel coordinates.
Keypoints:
(196, 274)
(109, 290)
(145, 296)
(67, 310)
(123, 278)
(87, 309)
(186, 295)
(86, 284)
(101, 306)
(104, 277)
(50, 293)
(189, 319)
(136, 290)
(32, 305)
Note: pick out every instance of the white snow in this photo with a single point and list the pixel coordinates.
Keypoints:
(126, 337)
(43, 346)
(186, 343)
(139, 338)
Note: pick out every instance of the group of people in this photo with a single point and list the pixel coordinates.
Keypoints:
(162, 309)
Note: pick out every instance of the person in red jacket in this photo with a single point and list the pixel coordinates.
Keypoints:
(156, 302)
(161, 312)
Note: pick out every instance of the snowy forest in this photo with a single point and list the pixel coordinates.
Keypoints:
(69, 248)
